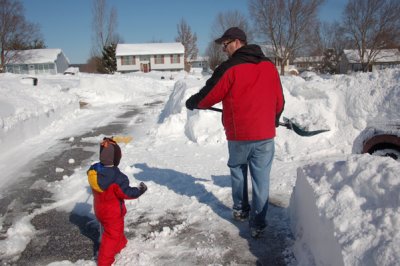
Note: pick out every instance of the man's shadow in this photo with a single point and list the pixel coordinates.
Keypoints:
(268, 250)
(183, 184)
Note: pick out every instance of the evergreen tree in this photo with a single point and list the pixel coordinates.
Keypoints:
(108, 63)
(329, 62)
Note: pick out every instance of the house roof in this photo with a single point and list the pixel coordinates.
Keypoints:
(35, 56)
(269, 51)
(384, 56)
(308, 59)
(149, 48)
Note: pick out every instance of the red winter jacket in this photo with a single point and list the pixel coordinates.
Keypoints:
(110, 187)
(249, 87)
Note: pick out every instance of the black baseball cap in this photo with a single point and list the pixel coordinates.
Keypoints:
(232, 34)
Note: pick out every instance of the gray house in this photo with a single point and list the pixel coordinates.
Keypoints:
(36, 61)
(385, 58)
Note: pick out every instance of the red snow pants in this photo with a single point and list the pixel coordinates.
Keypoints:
(112, 242)
(113, 239)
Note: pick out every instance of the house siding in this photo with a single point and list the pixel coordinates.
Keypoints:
(61, 63)
(146, 61)
(166, 66)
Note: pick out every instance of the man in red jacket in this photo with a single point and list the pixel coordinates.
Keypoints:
(249, 87)
(110, 188)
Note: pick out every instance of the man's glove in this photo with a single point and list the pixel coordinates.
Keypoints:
(191, 103)
(142, 187)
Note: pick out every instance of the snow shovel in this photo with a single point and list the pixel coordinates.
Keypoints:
(122, 139)
(289, 125)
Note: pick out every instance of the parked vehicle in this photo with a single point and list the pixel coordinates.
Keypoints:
(71, 71)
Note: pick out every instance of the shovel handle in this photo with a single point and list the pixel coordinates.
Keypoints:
(215, 109)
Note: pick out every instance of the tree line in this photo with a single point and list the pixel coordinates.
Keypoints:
(290, 27)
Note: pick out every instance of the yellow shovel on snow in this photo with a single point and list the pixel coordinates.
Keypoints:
(122, 139)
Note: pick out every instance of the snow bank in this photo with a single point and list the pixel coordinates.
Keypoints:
(199, 126)
(117, 89)
(347, 212)
(25, 109)
(344, 104)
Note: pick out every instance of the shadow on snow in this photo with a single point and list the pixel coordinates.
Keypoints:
(271, 249)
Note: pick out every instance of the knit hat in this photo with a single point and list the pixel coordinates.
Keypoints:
(232, 34)
(110, 152)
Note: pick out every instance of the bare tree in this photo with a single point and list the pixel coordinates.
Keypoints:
(222, 22)
(15, 32)
(189, 41)
(229, 19)
(285, 24)
(91, 65)
(104, 27)
(215, 55)
(330, 42)
(371, 25)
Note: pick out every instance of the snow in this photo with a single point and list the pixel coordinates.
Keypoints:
(343, 206)
(36, 56)
(149, 48)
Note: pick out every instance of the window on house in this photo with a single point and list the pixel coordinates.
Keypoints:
(175, 59)
(159, 59)
(17, 69)
(52, 68)
(128, 60)
(39, 68)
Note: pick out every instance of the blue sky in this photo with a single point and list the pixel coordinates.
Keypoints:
(67, 24)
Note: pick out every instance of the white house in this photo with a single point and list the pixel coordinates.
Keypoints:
(146, 57)
(385, 58)
(36, 61)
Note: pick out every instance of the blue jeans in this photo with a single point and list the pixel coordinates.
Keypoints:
(256, 156)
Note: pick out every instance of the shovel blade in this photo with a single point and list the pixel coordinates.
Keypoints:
(301, 131)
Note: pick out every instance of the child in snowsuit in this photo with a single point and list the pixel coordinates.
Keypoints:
(110, 187)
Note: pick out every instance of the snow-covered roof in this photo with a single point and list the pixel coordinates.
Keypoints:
(35, 56)
(308, 59)
(384, 56)
(149, 48)
(269, 50)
